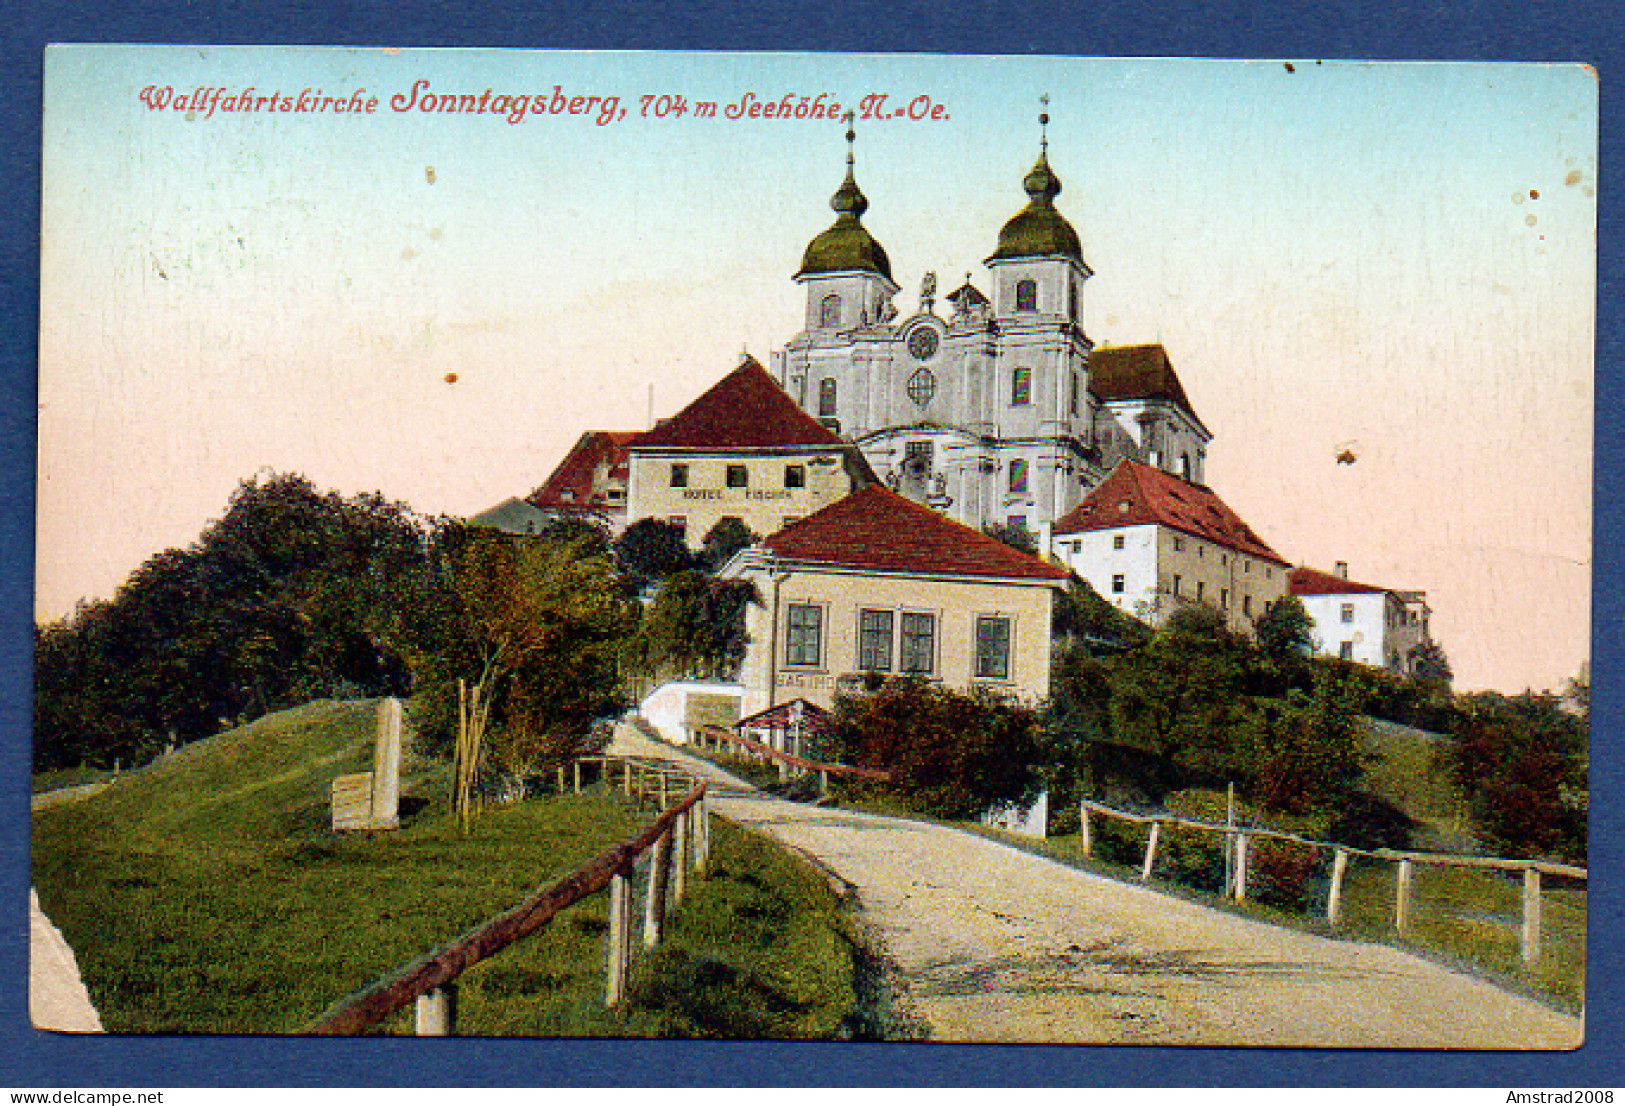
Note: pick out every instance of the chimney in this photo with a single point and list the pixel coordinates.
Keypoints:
(1341, 570)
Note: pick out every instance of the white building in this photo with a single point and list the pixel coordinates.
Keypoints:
(1361, 622)
(1000, 412)
(1149, 543)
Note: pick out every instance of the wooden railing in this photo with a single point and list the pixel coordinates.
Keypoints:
(723, 740)
(678, 840)
(1238, 839)
(645, 779)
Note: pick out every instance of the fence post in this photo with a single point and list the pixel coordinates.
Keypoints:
(823, 781)
(578, 777)
(561, 779)
(1531, 914)
(626, 780)
(704, 808)
(1402, 899)
(1334, 898)
(620, 933)
(437, 1012)
(654, 897)
(1086, 840)
(1241, 867)
(1151, 851)
(664, 800)
(679, 858)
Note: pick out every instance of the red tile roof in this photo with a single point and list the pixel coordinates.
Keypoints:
(1138, 495)
(744, 410)
(1122, 373)
(570, 486)
(879, 530)
(1311, 581)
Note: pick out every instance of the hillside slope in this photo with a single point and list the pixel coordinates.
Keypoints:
(206, 893)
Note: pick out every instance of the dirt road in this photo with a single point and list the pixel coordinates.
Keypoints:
(993, 944)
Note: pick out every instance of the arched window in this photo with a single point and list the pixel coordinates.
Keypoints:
(1018, 476)
(1021, 387)
(1185, 466)
(829, 311)
(826, 398)
(1072, 300)
(1026, 295)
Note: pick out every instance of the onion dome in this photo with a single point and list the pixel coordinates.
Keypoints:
(1038, 230)
(846, 246)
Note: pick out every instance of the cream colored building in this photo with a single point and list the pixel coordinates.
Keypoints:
(1149, 543)
(878, 586)
(742, 450)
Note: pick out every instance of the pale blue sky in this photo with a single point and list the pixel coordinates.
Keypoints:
(1342, 253)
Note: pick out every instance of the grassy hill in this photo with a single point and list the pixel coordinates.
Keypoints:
(206, 894)
(1404, 771)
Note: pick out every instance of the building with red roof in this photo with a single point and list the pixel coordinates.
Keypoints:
(591, 480)
(1359, 622)
(875, 585)
(1151, 542)
(742, 450)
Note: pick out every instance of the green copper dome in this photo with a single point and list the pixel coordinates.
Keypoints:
(846, 246)
(1038, 230)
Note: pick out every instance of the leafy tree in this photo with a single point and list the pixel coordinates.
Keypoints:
(1016, 537)
(589, 531)
(726, 538)
(1182, 696)
(515, 644)
(1303, 752)
(650, 550)
(1522, 763)
(951, 755)
(1285, 632)
(277, 602)
(1428, 662)
(1077, 722)
(696, 626)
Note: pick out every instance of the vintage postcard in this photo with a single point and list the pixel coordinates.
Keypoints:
(931, 548)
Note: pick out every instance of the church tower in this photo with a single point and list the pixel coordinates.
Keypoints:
(849, 287)
(990, 412)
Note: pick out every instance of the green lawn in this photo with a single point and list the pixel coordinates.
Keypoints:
(206, 894)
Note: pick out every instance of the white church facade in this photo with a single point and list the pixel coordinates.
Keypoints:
(997, 410)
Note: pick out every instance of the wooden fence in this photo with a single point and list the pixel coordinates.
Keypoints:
(721, 740)
(678, 841)
(644, 779)
(1239, 838)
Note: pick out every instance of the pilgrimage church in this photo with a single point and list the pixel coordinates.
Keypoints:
(995, 409)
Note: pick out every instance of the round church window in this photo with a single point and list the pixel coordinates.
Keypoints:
(922, 386)
(922, 344)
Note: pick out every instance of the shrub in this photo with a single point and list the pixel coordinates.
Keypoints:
(1280, 873)
(951, 755)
